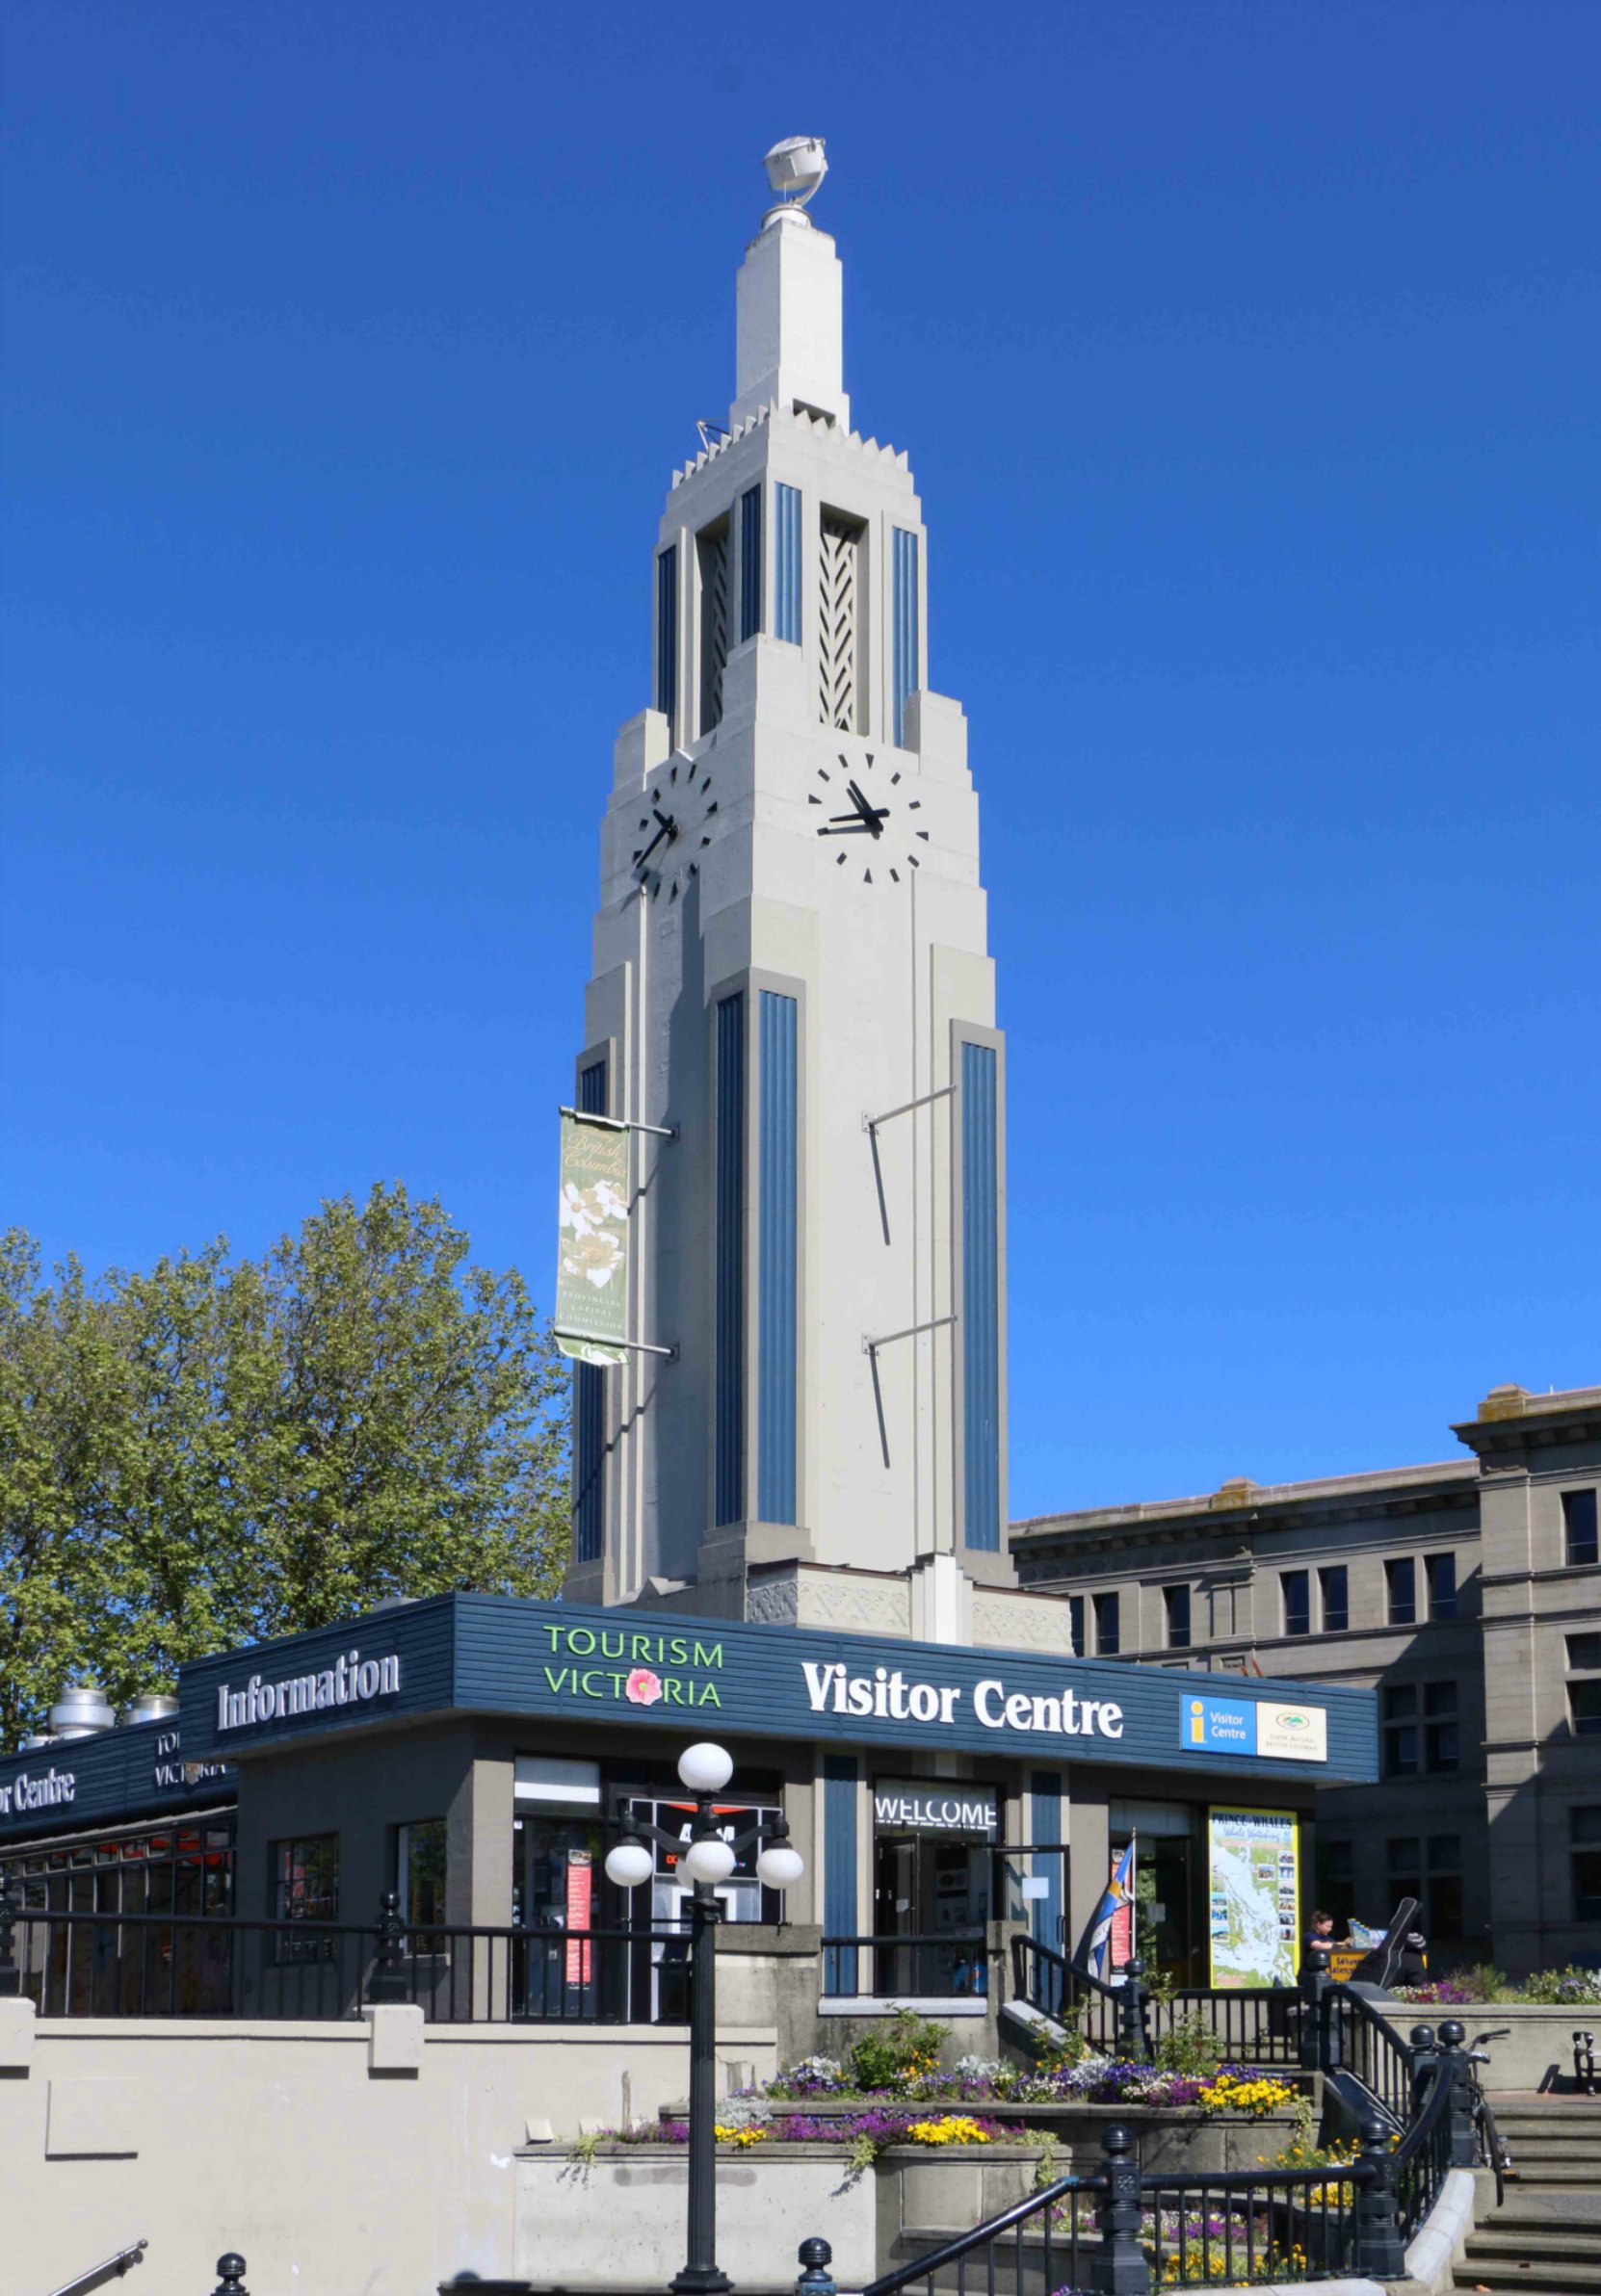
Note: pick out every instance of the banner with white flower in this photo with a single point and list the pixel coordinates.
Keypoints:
(591, 1251)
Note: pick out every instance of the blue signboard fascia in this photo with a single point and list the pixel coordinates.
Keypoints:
(80, 1783)
(490, 1654)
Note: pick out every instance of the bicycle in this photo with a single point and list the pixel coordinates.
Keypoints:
(1489, 2146)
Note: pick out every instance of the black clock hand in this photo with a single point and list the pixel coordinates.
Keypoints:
(667, 830)
(873, 816)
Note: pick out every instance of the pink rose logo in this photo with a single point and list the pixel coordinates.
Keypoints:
(643, 1686)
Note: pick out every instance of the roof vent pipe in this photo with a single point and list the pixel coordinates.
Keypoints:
(150, 1706)
(31, 1744)
(80, 1711)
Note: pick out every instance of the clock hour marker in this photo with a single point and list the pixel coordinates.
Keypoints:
(914, 804)
(673, 774)
(704, 843)
(673, 895)
(892, 779)
(912, 862)
(867, 877)
(896, 875)
(823, 773)
(839, 860)
(923, 834)
(705, 785)
(812, 797)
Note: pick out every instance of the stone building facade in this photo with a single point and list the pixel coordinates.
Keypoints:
(1468, 1593)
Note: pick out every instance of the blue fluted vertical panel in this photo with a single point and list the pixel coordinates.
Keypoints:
(728, 1429)
(588, 1394)
(839, 1868)
(775, 1260)
(1045, 1912)
(666, 639)
(980, 1300)
(786, 564)
(750, 562)
(905, 666)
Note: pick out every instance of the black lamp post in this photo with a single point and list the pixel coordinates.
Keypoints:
(709, 1858)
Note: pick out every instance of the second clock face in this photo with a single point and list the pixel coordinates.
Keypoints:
(874, 823)
(678, 824)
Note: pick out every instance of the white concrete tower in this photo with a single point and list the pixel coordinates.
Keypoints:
(791, 940)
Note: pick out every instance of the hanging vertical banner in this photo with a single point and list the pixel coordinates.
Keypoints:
(592, 1252)
(1253, 1882)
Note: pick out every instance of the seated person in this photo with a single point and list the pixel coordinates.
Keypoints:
(1320, 1943)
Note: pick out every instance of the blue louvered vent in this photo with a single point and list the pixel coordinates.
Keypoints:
(839, 1870)
(750, 562)
(786, 564)
(588, 1394)
(905, 666)
(729, 1434)
(775, 1263)
(666, 640)
(981, 1317)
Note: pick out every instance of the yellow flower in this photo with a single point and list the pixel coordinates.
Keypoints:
(956, 2128)
(744, 2136)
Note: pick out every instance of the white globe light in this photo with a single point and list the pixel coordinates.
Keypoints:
(780, 1866)
(629, 1863)
(709, 1861)
(705, 1768)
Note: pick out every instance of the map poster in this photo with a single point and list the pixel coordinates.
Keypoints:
(1253, 1878)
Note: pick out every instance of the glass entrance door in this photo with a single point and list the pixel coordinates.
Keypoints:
(930, 1886)
(557, 1882)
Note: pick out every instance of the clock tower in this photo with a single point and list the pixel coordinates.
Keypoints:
(792, 987)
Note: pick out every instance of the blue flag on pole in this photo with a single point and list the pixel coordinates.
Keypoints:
(1095, 1946)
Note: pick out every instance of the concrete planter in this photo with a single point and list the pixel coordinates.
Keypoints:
(1538, 2053)
(622, 2226)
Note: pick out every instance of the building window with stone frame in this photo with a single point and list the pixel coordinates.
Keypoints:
(1334, 1586)
(1579, 1529)
(1296, 1589)
(1076, 1608)
(1176, 1604)
(1109, 1633)
(1584, 1685)
(1335, 1882)
(1400, 1709)
(1442, 1744)
(1440, 1572)
(1429, 1869)
(1401, 1586)
(1584, 1838)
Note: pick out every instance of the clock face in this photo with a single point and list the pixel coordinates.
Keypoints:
(676, 826)
(874, 823)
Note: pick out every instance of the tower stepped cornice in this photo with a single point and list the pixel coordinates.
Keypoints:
(799, 417)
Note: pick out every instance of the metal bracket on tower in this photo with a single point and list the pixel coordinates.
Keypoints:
(869, 1125)
(634, 1347)
(870, 1348)
(662, 1132)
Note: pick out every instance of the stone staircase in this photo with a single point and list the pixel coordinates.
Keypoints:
(1546, 2237)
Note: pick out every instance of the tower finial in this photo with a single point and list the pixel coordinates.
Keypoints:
(795, 168)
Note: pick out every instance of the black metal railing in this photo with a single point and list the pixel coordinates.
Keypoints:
(948, 1965)
(1108, 2016)
(1258, 2024)
(200, 1965)
(1354, 2039)
(1041, 2246)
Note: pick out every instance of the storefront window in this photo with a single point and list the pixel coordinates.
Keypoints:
(305, 1879)
(420, 1878)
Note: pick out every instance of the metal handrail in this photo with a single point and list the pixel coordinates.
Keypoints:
(994, 2228)
(112, 2268)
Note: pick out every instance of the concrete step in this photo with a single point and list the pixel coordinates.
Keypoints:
(1578, 2173)
(1551, 2237)
(1541, 2280)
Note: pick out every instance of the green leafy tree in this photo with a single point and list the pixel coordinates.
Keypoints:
(222, 1449)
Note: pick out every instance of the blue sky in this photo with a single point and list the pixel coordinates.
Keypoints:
(1246, 358)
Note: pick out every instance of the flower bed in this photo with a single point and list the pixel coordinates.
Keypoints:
(1091, 2080)
(1572, 1988)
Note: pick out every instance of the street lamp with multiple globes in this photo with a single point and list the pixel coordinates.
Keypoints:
(709, 1858)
